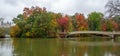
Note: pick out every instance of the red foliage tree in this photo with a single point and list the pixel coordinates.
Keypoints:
(63, 23)
(29, 11)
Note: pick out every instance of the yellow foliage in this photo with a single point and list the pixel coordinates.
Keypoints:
(27, 34)
(82, 28)
(15, 30)
(70, 27)
(54, 23)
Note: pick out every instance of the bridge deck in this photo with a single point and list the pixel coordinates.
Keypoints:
(94, 32)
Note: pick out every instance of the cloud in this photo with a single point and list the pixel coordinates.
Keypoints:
(11, 8)
(12, 2)
(81, 6)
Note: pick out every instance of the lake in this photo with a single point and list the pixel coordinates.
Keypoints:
(59, 47)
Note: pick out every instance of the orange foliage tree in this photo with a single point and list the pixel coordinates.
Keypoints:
(81, 22)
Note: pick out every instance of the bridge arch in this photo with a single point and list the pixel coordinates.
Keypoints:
(110, 34)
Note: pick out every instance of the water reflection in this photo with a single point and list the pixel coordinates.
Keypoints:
(6, 47)
(59, 47)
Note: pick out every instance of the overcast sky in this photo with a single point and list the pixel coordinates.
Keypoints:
(11, 8)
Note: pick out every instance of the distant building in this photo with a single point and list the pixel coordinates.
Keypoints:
(4, 25)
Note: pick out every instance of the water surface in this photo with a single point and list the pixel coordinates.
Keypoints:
(59, 47)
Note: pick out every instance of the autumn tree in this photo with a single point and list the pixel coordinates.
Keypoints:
(35, 22)
(81, 22)
(15, 31)
(107, 25)
(115, 25)
(117, 20)
(63, 23)
(104, 25)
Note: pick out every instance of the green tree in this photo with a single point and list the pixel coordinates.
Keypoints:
(42, 24)
(94, 21)
(20, 23)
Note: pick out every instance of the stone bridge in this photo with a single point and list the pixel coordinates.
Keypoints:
(111, 34)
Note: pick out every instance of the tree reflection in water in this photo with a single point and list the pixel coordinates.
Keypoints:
(58, 47)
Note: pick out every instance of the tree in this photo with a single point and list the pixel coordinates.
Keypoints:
(63, 23)
(104, 25)
(81, 22)
(115, 25)
(109, 25)
(2, 32)
(20, 25)
(27, 12)
(41, 24)
(116, 19)
(94, 21)
(35, 22)
(15, 31)
(113, 8)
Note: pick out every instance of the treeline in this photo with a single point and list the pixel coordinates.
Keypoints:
(37, 22)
